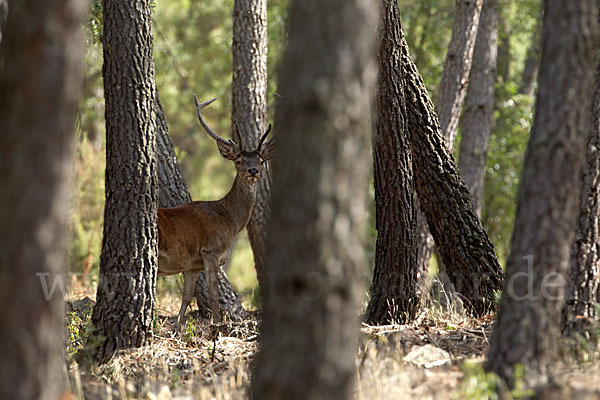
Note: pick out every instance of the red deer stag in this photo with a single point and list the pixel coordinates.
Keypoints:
(198, 235)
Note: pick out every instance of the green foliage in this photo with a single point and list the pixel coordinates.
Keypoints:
(87, 212)
(193, 55)
(520, 390)
(518, 22)
(428, 29)
(74, 335)
(96, 21)
(514, 117)
(190, 329)
(79, 328)
(478, 384)
(427, 26)
(513, 120)
(192, 51)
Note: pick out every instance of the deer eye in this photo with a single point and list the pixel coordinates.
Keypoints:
(238, 162)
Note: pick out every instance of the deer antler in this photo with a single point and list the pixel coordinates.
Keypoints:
(199, 107)
(262, 139)
(236, 136)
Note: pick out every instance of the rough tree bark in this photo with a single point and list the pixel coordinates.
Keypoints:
(451, 93)
(311, 282)
(394, 294)
(37, 119)
(249, 105)
(528, 325)
(124, 306)
(478, 116)
(583, 290)
(173, 191)
(464, 247)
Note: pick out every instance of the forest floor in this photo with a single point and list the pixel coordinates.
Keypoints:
(437, 357)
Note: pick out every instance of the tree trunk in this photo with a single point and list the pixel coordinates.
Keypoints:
(125, 299)
(532, 63)
(172, 192)
(312, 282)
(478, 116)
(464, 246)
(172, 189)
(3, 15)
(455, 76)
(453, 87)
(249, 105)
(583, 290)
(37, 118)
(394, 292)
(504, 58)
(528, 326)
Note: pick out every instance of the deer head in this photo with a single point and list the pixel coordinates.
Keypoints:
(249, 164)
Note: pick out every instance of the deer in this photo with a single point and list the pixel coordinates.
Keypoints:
(198, 235)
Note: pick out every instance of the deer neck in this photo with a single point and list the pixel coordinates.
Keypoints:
(240, 201)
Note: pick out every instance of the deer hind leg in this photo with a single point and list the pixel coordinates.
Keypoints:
(211, 268)
(189, 282)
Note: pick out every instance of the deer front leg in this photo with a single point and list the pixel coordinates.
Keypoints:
(211, 268)
(189, 282)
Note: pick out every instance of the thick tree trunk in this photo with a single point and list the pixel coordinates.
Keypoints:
(583, 291)
(173, 191)
(478, 116)
(453, 87)
(249, 105)
(528, 326)
(125, 299)
(464, 246)
(37, 118)
(312, 279)
(394, 292)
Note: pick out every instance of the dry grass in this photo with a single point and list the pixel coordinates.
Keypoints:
(437, 357)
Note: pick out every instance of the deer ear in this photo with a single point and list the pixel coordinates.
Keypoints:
(268, 152)
(227, 150)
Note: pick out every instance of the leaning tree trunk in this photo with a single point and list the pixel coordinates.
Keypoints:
(478, 116)
(394, 294)
(172, 189)
(172, 192)
(451, 93)
(528, 327)
(583, 291)
(249, 105)
(37, 118)
(124, 307)
(312, 281)
(464, 247)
